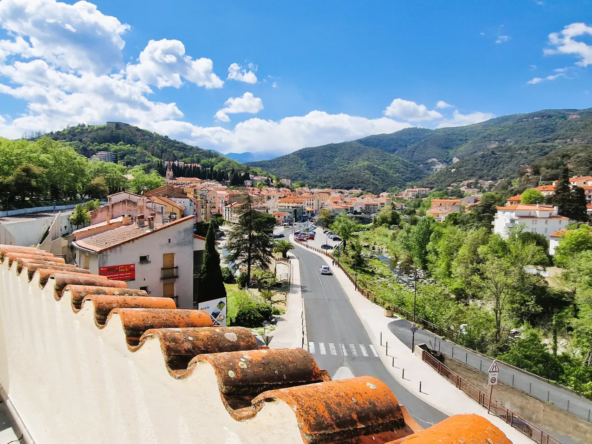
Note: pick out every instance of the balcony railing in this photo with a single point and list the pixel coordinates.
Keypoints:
(169, 273)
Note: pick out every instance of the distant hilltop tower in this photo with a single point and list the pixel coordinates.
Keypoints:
(169, 171)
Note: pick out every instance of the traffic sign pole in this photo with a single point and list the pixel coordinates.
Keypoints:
(493, 377)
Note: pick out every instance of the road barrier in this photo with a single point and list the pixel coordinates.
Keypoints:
(516, 421)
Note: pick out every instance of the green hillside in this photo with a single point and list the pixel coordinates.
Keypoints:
(498, 148)
(135, 146)
(347, 165)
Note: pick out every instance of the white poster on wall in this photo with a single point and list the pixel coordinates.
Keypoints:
(216, 308)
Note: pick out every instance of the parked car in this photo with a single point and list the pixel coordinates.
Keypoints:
(297, 233)
(335, 238)
(311, 236)
(325, 269)
(521, 425)
(327, 247)
(281, 235)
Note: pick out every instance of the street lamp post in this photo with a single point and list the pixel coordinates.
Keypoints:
(415, 293)
(356, 276)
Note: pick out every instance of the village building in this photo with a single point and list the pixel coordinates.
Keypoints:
(542, 219)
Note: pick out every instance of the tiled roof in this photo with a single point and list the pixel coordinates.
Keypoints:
(527, 208)
(517, 198)
(170, 202)
(358, 410)
(453, 201)
(121, 235)
(546, 188)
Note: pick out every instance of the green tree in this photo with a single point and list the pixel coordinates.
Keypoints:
(387, 216)
(325, 219)
(143, 181)
(211, 279)
(533, 356)
(532, 196)
(579, 208)
(580, 273)
(27, 181)
(249, 242)
(562, 198)
(283, 247)
(112, 173)
(573, 242)
(420, 240)
(97, 189)
(484, 213)
(79, 216)
(344, 227)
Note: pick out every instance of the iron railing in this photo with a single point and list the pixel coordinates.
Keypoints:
(169, 273)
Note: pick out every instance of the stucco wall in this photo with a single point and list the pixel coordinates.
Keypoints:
(74, 383)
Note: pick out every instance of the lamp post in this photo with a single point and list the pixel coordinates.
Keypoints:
(415, 295)
(413, 330)
(356, 276)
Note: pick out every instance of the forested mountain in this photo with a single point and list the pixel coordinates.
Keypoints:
(135, 146)
(344, 165)
(498, 148)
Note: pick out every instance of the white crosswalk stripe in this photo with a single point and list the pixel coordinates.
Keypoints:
(343, 350)
(373, 351)
(311, 348)
(322, 348)
(332, 349)
(353, 350)
(363, 350)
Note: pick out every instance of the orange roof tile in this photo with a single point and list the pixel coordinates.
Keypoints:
(517, 198)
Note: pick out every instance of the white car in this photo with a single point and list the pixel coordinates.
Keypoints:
(325, 270)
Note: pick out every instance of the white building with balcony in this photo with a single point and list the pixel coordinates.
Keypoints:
(542, 219)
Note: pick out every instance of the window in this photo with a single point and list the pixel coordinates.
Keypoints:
(145, 289)
(144, 259)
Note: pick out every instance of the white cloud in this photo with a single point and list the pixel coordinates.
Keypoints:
(236, 72)
(283, 136)
(247, 103)
(442, 104)
(561, 72)
(564, 42)
(410, 111)
(459, 119)
(535, 81)
(164, 63)
(74, 36)
(502, 39)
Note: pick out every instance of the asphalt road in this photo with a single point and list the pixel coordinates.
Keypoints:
(338, 340)
(538, 388)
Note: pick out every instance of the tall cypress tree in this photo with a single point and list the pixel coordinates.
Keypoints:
(563, 197)
(211, 281)
(579, 209)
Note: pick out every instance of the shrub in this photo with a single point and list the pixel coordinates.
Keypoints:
(248, 316)
(228, 276)
(242, 280)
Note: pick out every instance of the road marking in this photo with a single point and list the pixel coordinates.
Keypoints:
(322, 348)
(332, 349)
(373, 351)
(343, 350)
(311, 348)
(363, 349)
(353, 350)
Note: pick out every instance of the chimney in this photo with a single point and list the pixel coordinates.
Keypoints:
(140, 220)
(108, 219)
(126, 220)
(151, 223)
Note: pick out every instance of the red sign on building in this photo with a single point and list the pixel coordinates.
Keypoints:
(119, 272)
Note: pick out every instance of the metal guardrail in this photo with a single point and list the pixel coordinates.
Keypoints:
(169, 273)
(516, 421)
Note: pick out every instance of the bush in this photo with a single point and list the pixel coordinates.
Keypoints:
(242, 280)
(228, 276)
(248, 316)
(265, 311)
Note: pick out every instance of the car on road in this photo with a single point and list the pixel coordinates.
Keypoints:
(327, 247)
(325, 269)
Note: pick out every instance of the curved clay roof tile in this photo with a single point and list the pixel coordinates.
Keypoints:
(79, 292)
(343, 410)
(62, 279)
(181, 345)
(103, 305)
(15, 256)
(136, 320)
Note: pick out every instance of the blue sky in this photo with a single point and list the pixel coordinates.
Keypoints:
(272, 77)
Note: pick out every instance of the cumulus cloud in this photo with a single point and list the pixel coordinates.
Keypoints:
(502, 39)
(74, 36)
(442, 104)
(565, 42)
(164, 63)
(283, 136)
(247, 103)
(459, 119)
(238, 73)
(410, 111)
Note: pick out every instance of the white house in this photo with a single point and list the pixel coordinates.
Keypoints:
(162, 259)
(542, 219)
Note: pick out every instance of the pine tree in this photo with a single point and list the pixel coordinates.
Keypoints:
(211, 281)
(579, 208)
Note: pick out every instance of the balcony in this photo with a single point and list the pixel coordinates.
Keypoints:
(169, 273)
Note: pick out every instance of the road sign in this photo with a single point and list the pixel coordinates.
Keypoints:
(494, 367)
(493, 378)
(414, 328)
(493, 373)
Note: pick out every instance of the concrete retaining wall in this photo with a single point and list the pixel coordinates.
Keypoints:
(530, 408)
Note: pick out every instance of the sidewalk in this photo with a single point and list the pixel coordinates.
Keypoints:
(435, 390)
(289, 332)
